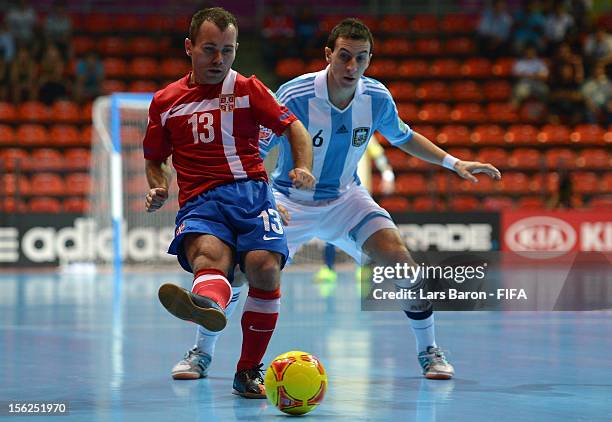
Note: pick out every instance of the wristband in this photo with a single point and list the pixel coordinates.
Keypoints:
(449, 162)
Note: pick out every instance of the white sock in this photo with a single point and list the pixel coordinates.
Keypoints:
(205, 339)
(424, 332)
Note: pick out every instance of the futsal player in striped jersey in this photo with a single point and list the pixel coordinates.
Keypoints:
(208, 121)
(341, 109)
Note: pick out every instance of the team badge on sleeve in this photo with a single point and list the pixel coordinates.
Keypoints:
(265, 135)
(360, 136)
(227, 102)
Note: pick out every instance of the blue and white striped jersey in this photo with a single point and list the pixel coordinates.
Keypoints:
(339, 137)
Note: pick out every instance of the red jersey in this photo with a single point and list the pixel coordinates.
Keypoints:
(212, 131)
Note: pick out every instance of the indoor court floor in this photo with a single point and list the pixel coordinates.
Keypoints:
(107, 350)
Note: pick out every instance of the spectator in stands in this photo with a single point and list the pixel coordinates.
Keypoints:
(53, 85)
(278, 32)
(4, 78)
(494, 28)
(562, 197)
(597, 92)
(7, 43)
(21, 21)
(566, 102)
(580, 12)
(307, 30)
(529, 26)
(598, 47)
(531, 73)
(22, 76)
(58, 28)
(558, 25)
(89, 77)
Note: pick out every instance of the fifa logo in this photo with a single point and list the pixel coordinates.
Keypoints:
(226, 102)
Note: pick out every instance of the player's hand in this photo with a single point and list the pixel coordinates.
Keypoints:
(285, 216)
(155, 199)
(302, 178)
(467, 169)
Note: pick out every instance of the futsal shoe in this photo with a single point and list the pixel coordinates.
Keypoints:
(191, 307)
(434, 364)
(249, 383)
(193, 366)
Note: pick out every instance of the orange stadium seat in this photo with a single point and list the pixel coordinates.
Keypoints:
(466, 91)
(445, 68)
(76, 205)
(426, 203)
(488, 135)
(412, 69)
(33, 111)
(531, 203)
(410, 183)
(78, 159)
(30, 134)
(397, 159)
(144, 67)
(588, 134)
(13, 159)
(513, 182)
(428, 47)
(468, 112)
(458, 23)
(594, 158)
(408, 112)
(395, 204)
(454, 135)
(606, 183)
(464, 203)
(402, 91)
(66, 112)
(390, 24)
(86, 135)
(44, 205)
(477, 68)
(554, 134)
(47, 184)
(462, 153)
(127, 22)
(396, 47)
(443, 181)
(502, 112)
(418, 164)
(460, 46)
(526, 158)
(115, 68)
(497, 203)
(8, 113)
(143, 86)
(86, 112)
(503, 67)
(601, 203)
(62, 135)
(78, 184)
(435, 112)
(98, 22)
(497, 90)
(289, 68)
(137, 184)
(315, 65)
(14, 185)
(485, 185)
(382, 69)
(7, 135)
(112, 85)
(145, 46)
(522, 134)
(496, 156)
(560, 158)
(433, 91)
(82, 45)
(112, 46)
(428, 131)
(158, 23)
(174, 68)
(46, 159)
(424, 23)
(585, 182)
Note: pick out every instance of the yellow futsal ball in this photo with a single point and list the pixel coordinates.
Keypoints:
(296, 382)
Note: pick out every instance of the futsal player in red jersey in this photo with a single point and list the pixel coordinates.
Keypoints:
(208, 121)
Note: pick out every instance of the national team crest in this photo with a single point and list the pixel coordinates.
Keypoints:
(227, 102)
(360, 136)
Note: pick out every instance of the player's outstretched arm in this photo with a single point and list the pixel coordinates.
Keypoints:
(301, 150)
(423, 148)
(158, 176)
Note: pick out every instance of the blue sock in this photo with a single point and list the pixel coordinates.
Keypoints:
(330, 256)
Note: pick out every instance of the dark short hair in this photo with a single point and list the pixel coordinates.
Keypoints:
(217, 15)
(351, 29)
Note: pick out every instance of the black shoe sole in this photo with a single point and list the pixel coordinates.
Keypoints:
(178, 302)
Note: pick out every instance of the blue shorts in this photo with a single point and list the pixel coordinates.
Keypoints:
(242, 214)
